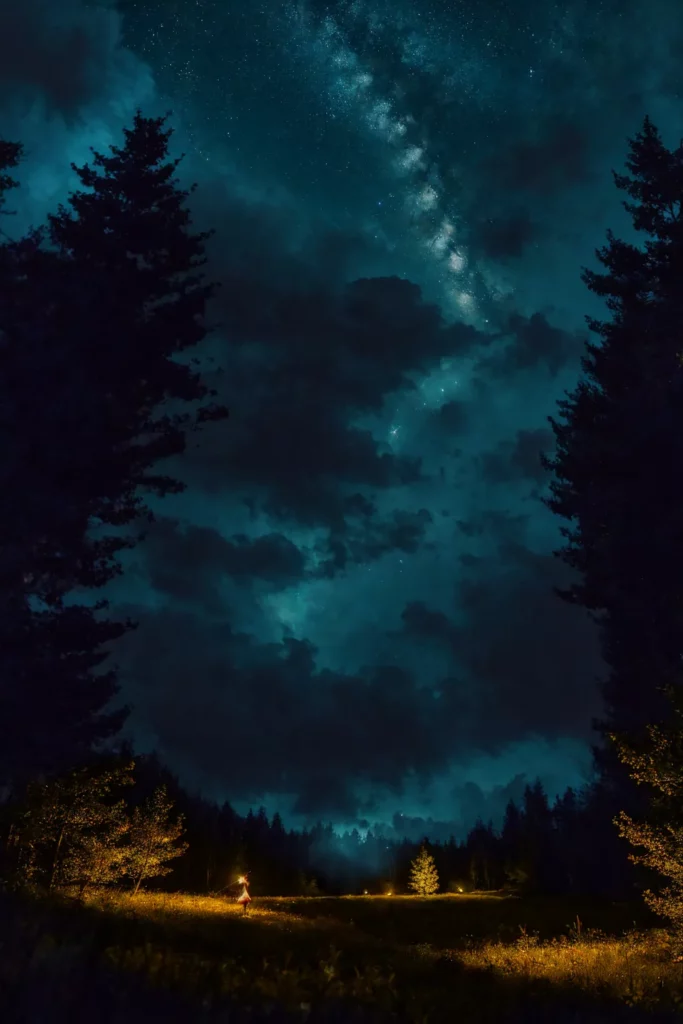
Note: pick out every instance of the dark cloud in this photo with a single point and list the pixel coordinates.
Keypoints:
(468, 804)
(264, 719)
(530, 659)
(505, 237)
(273, 250)
(421, 621)
(519, 459)
(559, 154)
(452, 417)
(189, 563)
(372, 537)
(64, 54)
(502, 526)
(535, 659)
(475, 804)
(324, 358)
(534, 344)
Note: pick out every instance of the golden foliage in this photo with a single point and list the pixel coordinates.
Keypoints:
(658, 763)
(72, 831)
(154, 839)
(424, 878)
(634, 968)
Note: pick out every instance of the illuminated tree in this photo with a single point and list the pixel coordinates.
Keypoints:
(657, 763)
(424, 878)
(73, 830)
(617, 472)
(154, 839)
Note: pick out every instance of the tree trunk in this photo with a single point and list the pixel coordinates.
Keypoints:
(142, 872)
(53, 872)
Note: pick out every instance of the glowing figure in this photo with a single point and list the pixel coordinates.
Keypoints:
(244, 899)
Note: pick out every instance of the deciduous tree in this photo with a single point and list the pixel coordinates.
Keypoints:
(657, 763)
(154, 839)
(73, 829)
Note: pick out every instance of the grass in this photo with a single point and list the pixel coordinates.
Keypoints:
(469, 957)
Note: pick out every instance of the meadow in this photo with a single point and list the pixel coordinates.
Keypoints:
(474, 957)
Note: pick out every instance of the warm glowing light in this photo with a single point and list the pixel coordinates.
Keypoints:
(459, 889)
(241, 880)
(365, 892)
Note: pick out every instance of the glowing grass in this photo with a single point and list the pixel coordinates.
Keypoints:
(187, 906)
(636, 968)
(385, 951)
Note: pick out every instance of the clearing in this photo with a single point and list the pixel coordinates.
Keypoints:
(468, 957)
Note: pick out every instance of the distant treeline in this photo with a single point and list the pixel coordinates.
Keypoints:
(570, 846)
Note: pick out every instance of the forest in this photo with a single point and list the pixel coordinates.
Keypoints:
(103, 382)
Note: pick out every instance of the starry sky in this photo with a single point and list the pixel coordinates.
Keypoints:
(349, 614)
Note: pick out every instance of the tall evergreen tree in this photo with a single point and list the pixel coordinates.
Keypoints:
(618, 468)
(96, 388)
(51, 701)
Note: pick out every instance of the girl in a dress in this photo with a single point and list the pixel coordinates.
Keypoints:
(245, 898)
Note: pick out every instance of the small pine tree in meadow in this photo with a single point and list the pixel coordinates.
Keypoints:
(154, 839)
(424, 878)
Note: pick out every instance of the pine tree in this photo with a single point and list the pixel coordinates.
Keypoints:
(617, 473)
(128, 246)
(424, 878)
(154, 839)
(96, 387)
(482, 849)
(515, 868)
(48, 654)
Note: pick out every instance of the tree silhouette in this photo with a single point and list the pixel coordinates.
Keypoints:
(617, 479)
(96, 387)
(424, 878)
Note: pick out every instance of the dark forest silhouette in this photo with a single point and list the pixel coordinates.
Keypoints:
(95, 309)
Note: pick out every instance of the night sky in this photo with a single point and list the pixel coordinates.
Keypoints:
(350, 614)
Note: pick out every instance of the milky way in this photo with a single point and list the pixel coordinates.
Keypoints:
(350, 612)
